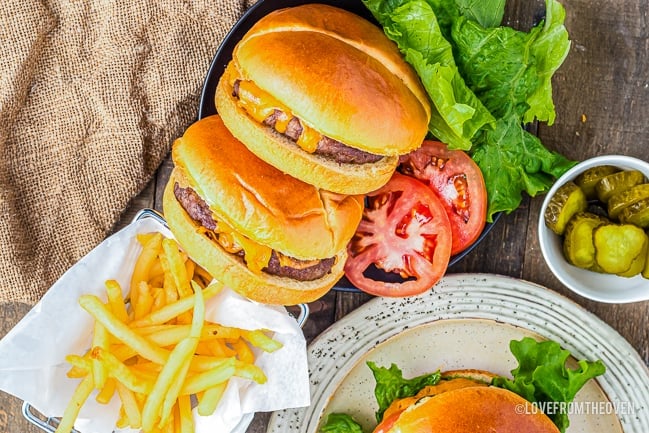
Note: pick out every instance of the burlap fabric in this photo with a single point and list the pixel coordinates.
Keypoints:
(92, 94)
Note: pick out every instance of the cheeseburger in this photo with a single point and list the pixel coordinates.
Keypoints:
(266, 235)
(325, 96)
(463, 402)
(478, 401)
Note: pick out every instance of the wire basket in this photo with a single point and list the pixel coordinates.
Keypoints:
(49, 424)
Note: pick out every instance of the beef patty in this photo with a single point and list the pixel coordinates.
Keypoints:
(327, 147)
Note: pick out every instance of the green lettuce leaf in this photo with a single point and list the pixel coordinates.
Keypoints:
(513, 160)
(340, 423)
(497, 64)
(391, 385)
(457, 114)
(487, 13)
(549, 47)
(485, 81)
(542, 375)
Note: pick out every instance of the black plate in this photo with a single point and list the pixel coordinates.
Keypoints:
(224, 55)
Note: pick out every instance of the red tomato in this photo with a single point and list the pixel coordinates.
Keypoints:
(458, 182)
(404, 231)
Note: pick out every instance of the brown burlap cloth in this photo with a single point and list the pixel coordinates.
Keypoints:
(92, 94)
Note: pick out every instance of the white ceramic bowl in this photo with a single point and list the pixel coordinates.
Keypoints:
(593, 285)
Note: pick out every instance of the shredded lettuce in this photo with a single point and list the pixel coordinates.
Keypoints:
(542, 375)
(485, 82)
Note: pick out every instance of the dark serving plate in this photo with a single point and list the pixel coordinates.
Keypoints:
(224, 55)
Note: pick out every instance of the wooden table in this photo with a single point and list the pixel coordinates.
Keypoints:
(602, 103)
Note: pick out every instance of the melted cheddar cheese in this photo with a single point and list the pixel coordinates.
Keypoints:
(259, 104)
(256, 255)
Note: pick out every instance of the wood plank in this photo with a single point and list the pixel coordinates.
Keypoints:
(11, 419)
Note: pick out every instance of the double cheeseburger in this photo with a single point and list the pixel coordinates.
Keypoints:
(265, 234)
(463, 402)
(325, 96)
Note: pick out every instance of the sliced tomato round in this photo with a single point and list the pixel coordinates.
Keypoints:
(458, 182)
(404, 233)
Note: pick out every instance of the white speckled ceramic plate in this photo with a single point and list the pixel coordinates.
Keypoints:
(468, 322)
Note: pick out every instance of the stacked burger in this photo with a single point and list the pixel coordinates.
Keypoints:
(315, 109)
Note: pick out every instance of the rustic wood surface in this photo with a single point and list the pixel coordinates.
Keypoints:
(602, 102)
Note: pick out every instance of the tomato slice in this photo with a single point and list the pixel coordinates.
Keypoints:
(404, 232)
(458, 182)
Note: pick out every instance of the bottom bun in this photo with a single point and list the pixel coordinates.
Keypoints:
(474, 409)
(233, 272)
(282, 153)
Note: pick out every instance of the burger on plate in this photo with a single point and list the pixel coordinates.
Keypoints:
(325, 96)
(463, 402)
(265, 234)
(477, 401)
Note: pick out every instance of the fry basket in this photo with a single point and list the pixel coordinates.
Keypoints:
(49, 424)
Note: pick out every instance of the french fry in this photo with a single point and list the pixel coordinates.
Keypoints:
(79, 397)
(175, 265)
(129, 403)
(144, 300)
(159, 298)
(210, 399)
(100, 339)
(243, 351)
(120, 371)
(173, 392)
(249, 371)
(81, 366)
(106, 394)
(180, 356)
(258, 339)
(121, 331)
(150, 250)
(199, 382)
(171, 311)
(116, 300)
(185, 418)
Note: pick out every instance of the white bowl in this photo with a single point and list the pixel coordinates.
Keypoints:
(593, 285)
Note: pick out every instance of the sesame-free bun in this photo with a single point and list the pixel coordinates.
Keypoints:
(231, 270)
(281, 152)
(471, 408)
(340, 75)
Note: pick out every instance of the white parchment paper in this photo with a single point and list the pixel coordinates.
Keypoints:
(32, 354)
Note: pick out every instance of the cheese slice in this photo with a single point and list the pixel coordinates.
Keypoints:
(259, 104)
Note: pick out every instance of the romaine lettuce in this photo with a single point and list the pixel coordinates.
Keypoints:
(457, 113)
(485, 82)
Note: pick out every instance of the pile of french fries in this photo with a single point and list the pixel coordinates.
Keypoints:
(154, 350)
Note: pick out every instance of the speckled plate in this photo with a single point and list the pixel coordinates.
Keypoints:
(468, 322)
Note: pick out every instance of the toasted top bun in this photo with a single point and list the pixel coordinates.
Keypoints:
(259, 201)
(470, 409)
(339, 74)
(282, 152)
